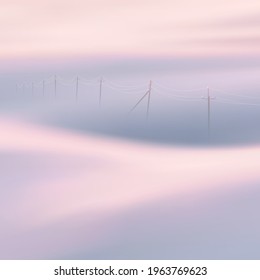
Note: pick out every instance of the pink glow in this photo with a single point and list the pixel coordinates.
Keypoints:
(47, 28)
(143, 174)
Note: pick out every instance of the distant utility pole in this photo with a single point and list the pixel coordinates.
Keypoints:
(209, 98)
(149, 99)
(77, 88)
(100, 91)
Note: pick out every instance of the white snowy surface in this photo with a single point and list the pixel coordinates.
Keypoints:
(67, 195)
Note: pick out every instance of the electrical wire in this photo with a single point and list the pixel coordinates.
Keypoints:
(235, 95)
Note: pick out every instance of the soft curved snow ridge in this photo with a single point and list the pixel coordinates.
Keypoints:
(66, 195)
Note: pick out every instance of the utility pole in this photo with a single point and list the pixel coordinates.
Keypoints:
(77, 88)
(209, 98)
(148, 93)
(139, 101)
(149, 99)
(100, 91)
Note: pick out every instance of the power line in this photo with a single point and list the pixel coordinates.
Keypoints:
(237, 103)
(177, 97)
(136, 89)
(235, 95)
(124, 91)
(177, 90)
(121, 86)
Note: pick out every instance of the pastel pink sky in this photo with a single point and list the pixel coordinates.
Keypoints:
(145, 27)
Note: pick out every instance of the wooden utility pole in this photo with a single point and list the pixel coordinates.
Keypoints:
(209, 98)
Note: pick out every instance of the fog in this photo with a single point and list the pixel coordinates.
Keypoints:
(178, 112)
(90, 178)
